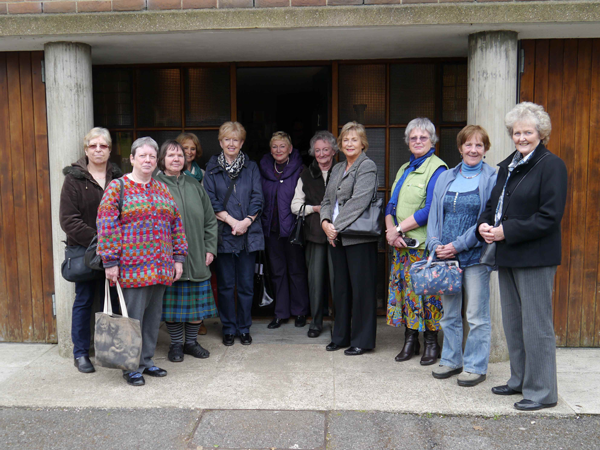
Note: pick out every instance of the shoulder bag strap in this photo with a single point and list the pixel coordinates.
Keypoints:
(228, 193)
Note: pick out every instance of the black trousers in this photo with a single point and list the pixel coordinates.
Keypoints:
(354, 294)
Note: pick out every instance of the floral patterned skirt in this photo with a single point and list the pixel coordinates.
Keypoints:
(417, 312)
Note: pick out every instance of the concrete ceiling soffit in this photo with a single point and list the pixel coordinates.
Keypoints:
(146, 22)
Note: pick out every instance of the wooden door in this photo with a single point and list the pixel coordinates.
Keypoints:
(563, 75)
(26, 269)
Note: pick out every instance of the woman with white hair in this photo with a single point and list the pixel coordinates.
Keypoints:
(309, 193)
(406, 216)
(522, 218)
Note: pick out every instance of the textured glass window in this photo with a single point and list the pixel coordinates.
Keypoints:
(158, 97)
(448, 150)
(121, 149)
(113, 98)
(399, 153)
(209, 140)
(362, 94)
(412, 92)
(454, 93)
(207, 96)
(159, 136)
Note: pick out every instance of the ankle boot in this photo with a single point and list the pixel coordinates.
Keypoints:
(411, 345)
(432, 349)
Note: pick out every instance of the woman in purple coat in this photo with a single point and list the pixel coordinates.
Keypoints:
(280, 170)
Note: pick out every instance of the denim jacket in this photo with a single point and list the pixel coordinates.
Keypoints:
(467, 240)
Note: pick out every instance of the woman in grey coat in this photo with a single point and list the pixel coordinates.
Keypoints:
(348, 194)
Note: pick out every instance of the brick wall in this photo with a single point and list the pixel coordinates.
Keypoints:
(93, 6)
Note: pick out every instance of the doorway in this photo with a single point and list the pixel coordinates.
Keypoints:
(291, 99)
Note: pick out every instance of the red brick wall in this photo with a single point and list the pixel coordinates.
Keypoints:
(88, 6)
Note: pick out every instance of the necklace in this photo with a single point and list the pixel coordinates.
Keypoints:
(469, 178)
(275, 166)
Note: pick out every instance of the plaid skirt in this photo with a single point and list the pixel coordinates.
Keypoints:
(189, 301)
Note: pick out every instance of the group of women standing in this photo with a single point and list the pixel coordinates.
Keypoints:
(161, 238)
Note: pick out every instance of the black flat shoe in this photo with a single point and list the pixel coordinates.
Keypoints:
(83, 364)
(332, 347)
(175, 353)
(245, 339)
(276, 323)
(155, 372)
(530, 405)
(228, 339)
(314, 333)
(196, 350)
(504, 390)
(355, 351)
(300, 321)
(137, 381)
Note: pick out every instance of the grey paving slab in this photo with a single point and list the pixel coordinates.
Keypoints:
(392, 431)
(261, 429)
(20, 355)
(74, 429)
(288, 334)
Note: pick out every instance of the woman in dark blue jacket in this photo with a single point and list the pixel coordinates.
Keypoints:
(233, 184)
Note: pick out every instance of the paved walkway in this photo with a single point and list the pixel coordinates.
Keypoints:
(283, 370)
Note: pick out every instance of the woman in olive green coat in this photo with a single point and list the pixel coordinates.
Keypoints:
(190, 300)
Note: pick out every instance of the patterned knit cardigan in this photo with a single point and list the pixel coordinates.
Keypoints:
(146, 239)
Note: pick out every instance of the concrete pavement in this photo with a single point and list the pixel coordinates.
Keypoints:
(284, 370)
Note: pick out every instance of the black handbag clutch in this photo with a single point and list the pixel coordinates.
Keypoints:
(297, 236)
(91, 258)
(74, 269)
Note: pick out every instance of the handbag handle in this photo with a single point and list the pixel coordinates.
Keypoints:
(107, 303)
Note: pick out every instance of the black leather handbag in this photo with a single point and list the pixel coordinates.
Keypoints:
(74, 269)
(297, 236)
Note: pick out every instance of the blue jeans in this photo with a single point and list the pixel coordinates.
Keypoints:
(235, 270)
(476, 287)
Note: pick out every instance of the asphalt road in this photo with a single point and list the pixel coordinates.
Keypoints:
(170, 428)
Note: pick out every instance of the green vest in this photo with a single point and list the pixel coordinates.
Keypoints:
(413, 194)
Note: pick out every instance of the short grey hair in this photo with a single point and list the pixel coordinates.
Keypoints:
(423, 124)
(325, 136)
(143, 141)
(530, 112)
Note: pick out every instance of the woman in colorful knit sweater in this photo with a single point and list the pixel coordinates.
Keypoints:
(143, 246)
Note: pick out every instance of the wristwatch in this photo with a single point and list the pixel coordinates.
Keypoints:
(399, 230)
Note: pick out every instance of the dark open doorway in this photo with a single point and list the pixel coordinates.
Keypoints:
(290, 99)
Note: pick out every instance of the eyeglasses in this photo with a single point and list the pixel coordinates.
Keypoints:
(419, 138)
(102, 147)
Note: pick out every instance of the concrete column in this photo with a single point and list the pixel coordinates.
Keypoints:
(68, 68)
(492, 93)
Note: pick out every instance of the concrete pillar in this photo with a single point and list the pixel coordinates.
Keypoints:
(68, 68)
(492, 93)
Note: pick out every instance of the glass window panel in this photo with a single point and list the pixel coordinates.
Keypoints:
(362, 94)
(158, 98)
(376, 151)
(159, 136)
(454, 93)
(399, 153)
(113, 98)
(207, 96)
(121, 149)
(412, 92)
(448, 150)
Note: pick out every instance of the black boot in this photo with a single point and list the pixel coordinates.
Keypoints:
(432, 349)
(411, 345)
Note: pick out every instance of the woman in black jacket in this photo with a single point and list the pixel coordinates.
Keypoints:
(80, 197)
(523, 218)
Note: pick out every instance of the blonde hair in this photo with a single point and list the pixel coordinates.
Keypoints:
(95, 133)
(281, 136)
(229, 129)
(530, 112)
(358, 129)
(191, 137)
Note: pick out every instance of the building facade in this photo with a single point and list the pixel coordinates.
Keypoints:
(159, 67)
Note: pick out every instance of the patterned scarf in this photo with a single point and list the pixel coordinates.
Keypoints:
(233, 169)
(518, 160)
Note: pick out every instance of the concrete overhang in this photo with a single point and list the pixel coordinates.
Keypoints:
(283, 34)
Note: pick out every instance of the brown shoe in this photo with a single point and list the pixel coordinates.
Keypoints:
(202, 329)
